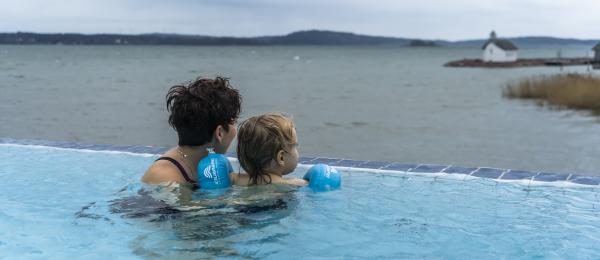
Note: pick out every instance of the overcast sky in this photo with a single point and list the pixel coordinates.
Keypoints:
(429, 19)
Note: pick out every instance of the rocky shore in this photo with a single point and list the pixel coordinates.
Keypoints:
(478, 63)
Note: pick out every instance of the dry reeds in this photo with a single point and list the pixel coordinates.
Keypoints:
(565, 90)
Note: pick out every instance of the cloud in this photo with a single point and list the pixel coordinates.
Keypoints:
(458, 19)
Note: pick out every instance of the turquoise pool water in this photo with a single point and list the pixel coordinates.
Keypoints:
(70, 203)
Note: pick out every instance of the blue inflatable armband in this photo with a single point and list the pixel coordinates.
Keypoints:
(213, 172)
(322, 177)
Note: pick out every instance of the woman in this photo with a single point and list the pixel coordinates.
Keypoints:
(203, 113)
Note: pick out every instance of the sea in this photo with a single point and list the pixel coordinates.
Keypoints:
(380, 103)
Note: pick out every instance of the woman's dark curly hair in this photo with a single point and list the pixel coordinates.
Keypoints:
(198, 107)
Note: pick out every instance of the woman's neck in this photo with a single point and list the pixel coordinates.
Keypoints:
(192, 154)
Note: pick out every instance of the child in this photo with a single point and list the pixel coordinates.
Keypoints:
(267, 149)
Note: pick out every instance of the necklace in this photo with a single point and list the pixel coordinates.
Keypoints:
(185, 156)
(185, 159)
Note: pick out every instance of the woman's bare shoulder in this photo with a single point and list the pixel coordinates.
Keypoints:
(162, 171)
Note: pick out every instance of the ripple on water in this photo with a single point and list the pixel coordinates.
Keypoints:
(80, 211)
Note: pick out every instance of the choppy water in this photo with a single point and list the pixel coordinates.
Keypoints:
(369, 103)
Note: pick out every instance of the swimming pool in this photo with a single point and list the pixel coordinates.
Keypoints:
(75, 202)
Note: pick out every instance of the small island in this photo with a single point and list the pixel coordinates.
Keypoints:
(502, 53)
(479, 63)
(422, 43)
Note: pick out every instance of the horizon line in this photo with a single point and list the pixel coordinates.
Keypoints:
(307, 30)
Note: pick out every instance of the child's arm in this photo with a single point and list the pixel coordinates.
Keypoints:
(294, 181)
(242, 179)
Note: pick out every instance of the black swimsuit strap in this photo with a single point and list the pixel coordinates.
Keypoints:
(181, 169)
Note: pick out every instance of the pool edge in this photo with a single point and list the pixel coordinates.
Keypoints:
(433, 170)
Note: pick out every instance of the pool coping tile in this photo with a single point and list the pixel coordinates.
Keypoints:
(305, 160)
(584, 179)
(518, 175)
(486, 172)
(324, 160)
(373, 165)
(429, 168)
(460, 170)
(348, 163)
(550, 177)
(84, 146)
(482, 172)
(404, 167)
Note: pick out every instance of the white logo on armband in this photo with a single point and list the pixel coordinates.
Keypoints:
(327, 171)
(208, 171)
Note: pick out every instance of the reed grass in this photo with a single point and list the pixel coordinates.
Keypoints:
(575, 91)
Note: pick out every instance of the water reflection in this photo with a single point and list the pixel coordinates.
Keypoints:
(183, 220)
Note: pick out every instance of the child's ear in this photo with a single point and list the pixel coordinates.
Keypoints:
(280, 157)
(219, 133)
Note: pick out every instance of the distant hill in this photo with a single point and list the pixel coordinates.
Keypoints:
(316, 37)
(310, 37)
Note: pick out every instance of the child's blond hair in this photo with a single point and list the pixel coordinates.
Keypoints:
(260, 138)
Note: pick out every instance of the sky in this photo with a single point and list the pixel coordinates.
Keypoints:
(425, 19)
